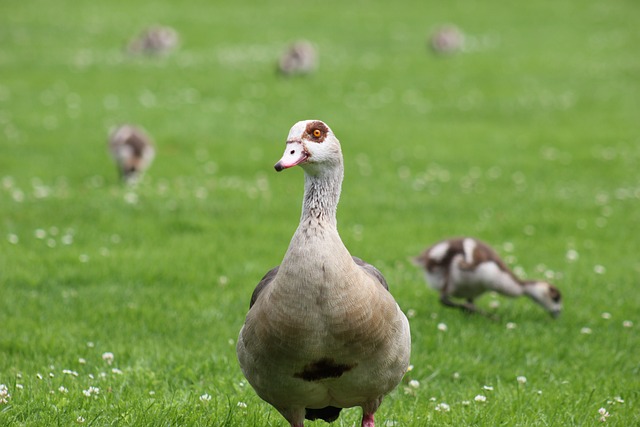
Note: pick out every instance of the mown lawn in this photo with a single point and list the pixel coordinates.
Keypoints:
(121, 306)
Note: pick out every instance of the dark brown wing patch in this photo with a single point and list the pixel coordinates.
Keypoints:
(322, 369)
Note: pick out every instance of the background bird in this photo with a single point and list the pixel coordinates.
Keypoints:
(466, 268)
(300, 57)
(132, 150)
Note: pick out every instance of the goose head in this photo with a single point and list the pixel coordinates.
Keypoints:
(545, 294)
(312, 145)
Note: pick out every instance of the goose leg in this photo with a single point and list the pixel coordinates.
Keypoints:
(468, 307)
(367, 420)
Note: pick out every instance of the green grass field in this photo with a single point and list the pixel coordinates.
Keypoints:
(120, 306)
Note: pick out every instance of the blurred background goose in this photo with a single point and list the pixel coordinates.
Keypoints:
(466, 268)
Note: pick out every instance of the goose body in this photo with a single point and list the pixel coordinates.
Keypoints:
(299, 58)
(466, 268)
(132, 150)
(323, 332)
(155, 40)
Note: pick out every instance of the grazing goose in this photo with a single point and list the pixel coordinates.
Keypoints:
(132, 151)
(299, 58)
(446, 40)
(323, 332)
(155, 40)
(466, 268)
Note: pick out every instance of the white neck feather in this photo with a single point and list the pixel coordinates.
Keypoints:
(322, 188)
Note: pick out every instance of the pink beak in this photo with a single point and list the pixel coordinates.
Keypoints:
(293, 155)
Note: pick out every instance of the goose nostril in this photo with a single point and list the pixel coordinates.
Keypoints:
(293, 152)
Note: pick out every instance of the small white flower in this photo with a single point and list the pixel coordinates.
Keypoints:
(39, 376)
(511, 325)
(205, 398)
(618, 399)
(465, 403)
(409, 368)
(411, 313)
(40, 233)
(90, 344)
(19, 386)
(13, 239)
(488, 387)
(4, 394)
(63, 389)
(585, 330)
(627, 324)
(108, 357)
(91, 391)
(456, 375)
(604, 414)
(606, 315)
(116, 371)
(521, 379)
(80, 420)
(152, 393)
(572, 255)
(82, 361)
(442, 327)
(599, 269)
(443, 407)
(242, 405)
(414, 383)
(480, 398)
(70, 372)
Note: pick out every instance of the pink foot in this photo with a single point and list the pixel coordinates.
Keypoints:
(367, 420)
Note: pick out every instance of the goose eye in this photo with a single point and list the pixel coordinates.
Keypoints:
(317, 133)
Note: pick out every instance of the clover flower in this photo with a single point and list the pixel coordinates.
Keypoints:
(443, 407)
(521, 379)
(603, 414)
(108, 357)
(480, 398)
(91, 391)
(205, 398)
(4, 394)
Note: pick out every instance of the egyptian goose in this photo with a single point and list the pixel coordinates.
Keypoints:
(446, 40)
(466, 268)
(299, 58)
(323, 332)
(132, 150)
(155, 40)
